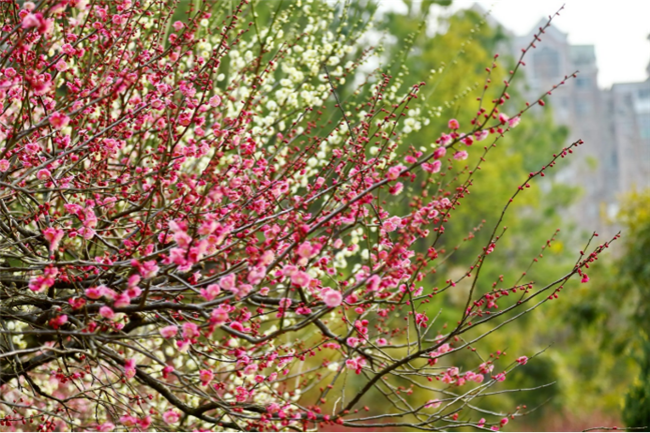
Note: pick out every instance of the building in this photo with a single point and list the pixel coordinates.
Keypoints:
(629, 108)
(614, 124)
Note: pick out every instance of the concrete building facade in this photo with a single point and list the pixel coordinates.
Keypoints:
(614, 124)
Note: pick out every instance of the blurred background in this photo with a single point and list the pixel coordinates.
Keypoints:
(596, 359)
(591, 364)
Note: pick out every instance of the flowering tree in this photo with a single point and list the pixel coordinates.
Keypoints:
(199, 232)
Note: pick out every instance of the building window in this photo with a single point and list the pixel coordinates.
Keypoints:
(583, 82)
(547, 63)
(644, 126)
(613, 160)
(582, 107)
(642, 103)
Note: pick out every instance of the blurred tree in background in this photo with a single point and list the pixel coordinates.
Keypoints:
(449, 52)
(575, 367)
(635, 277)
(583, 366)
(599, 320)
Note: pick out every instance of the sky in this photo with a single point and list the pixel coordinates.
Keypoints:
(618, 29)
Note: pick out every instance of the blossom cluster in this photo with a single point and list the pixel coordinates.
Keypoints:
(200, 234)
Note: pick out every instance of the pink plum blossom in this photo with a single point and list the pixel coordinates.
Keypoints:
(205, 376)
(215, 101)
(94, 292)
(300, 278)
(45, 281)
(53, 236)
(149, 269)
(439, 152)
(168, 331)
(228, 283)
(332, 298)
(433, 167)
(433, 404)
(42, 25)
(121, 300)
(106, 427)
(129, 368)
(396, 189)
(210, 292)
(481, 135)
(219, 316)
(77, 303)
(256, 274)
(59, 321)
(107, 312)
(373, 282)
(43, 174)
(391, 224)
(394, 171)
(190, 330)
(460, 155)
(61, 65)
(59, 120)
(171, 416)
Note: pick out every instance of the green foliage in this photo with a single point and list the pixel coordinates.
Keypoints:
(637, 400)
(453, 63)
(636, 217)
(589, 330)
(583, 362)
(635, 269)
(604, 347)
(459, 57)
(530, 376)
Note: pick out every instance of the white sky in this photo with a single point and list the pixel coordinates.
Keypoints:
(619, 29)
